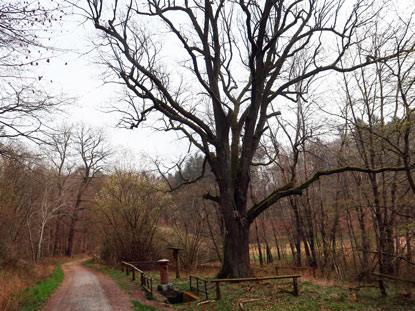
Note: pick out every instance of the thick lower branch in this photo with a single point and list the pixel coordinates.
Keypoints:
(289, 188)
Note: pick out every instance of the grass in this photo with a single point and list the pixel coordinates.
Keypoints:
(124, 283)
(276, 295)
(34, 297)
(140, 307)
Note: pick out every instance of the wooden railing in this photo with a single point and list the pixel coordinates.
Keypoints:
(145, 281)
(294, 269)
(294, 277)
(198, 290)
(391, 277)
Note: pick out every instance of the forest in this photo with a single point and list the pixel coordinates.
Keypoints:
(297, 117)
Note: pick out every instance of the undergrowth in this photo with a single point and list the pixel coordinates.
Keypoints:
(33, 298)
(140, 307)
(15, 279)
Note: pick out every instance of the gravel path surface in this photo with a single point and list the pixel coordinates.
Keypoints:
(85, 289)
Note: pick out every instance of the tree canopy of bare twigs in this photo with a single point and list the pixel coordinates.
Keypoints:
(219, 72)
(24, 100)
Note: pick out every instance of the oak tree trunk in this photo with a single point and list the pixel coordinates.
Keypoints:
(236, 250)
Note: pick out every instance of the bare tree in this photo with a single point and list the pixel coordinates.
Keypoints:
(92, 151)
(24, 101)
(238, 66)
(60, 155)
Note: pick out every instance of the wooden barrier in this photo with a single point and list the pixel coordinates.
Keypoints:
(294, 277)
(391, 277)
(296, 269)
(204, 291)
(145, 281)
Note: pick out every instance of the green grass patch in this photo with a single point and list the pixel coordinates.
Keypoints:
(276, 295)
(140, 307)
(34, 297)
(150, 297)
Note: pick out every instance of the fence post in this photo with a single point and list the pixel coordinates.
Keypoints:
(197, 286)
(126, 270)
(382, 288)
(295, 283)
(190, 282)
(133, 277)
(207, 298)
(218, 293)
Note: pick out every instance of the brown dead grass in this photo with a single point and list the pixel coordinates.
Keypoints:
(10, 284)
(14, 280)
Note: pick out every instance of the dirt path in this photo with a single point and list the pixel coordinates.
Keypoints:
(85, 289)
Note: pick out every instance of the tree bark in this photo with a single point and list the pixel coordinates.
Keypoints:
(236, 250)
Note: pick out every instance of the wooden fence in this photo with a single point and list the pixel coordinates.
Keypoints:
(198, 290)
(391, 277)
(295, 269)
(219, 281)
(145, 281)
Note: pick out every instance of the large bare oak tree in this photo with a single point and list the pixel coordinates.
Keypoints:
(236, 64)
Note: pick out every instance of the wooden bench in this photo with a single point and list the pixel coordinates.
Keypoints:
(279, 277)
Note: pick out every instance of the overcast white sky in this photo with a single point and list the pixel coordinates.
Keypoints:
(74, 73)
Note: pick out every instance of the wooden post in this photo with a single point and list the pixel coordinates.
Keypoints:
(122, 267)
(190, 282)
(133, 277)
(382, 288)
(176, 259)
(295, 283)
(177, 266)
(197, 286)
(126, 270)
(218, 293)
(206, 292)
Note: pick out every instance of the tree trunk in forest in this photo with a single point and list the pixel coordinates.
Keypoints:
(71, 234)
(298, 232)
(56, 240)
(267, 247)
(233, 192)
(261, 260)
(276, 239)
(323, 224)
(408, 243)
(72, 225)
(236, 250)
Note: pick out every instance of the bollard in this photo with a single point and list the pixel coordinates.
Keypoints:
(164, 271)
